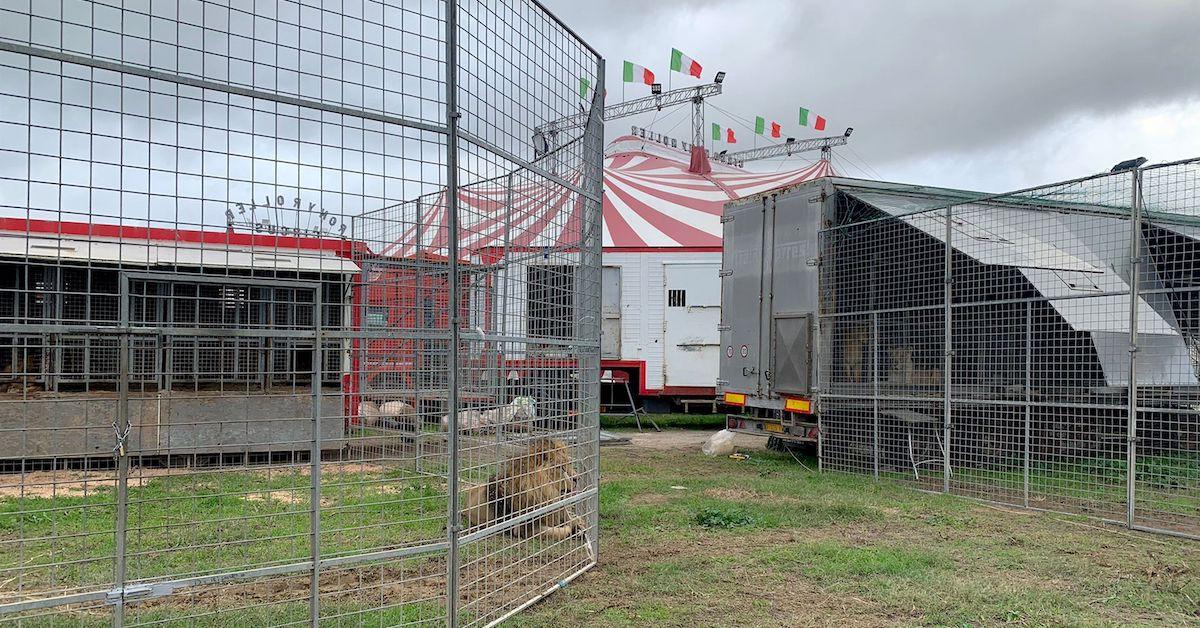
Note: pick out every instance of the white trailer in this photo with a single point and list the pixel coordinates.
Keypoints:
(661, 315)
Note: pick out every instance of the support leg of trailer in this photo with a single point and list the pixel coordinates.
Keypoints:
(637, 410)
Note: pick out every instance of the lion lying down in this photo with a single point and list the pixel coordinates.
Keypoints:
(542, 475)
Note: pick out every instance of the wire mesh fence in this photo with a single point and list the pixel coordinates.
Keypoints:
(299, 313)
(1034, 348)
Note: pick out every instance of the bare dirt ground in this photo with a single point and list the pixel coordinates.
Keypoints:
(70, 483)
(685, 440)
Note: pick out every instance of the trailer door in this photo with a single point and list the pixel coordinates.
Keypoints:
(610, 312)
(690, 320)
(742, 287)
(791, 295)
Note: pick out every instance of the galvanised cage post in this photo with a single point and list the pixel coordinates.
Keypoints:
(297, 323)
(1036, 348)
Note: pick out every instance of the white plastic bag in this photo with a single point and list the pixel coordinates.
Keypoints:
(719, 444)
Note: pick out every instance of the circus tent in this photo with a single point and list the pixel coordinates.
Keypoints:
(661, 233)
(650, 201)
(662, 258)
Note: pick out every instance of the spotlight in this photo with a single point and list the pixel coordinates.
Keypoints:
(720, 78)
(1129, 164)
(849, 130)
(656, 88)
(790, 140)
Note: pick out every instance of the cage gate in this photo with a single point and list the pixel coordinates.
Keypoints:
(301, 316)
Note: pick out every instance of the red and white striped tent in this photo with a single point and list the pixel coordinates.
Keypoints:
(651, 200)
(659, 218)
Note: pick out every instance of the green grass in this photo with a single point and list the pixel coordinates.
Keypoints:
(724, 517)
(673, 420)
(193, 524)
(686, 540)
(285, 613)
(694, 541)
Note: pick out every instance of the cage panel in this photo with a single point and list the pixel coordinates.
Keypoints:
(1063, 345)
(301, 281)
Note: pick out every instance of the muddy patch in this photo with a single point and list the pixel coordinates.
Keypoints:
(66, 483)
(289, 497)
(743, 495)
(649, 499)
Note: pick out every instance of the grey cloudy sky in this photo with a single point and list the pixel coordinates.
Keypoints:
(986, 95)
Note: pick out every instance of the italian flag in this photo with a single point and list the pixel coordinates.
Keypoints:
(818, 124)
(684, 64)
(729, 138)
(635, 73)
(716, 131)
(760, 127)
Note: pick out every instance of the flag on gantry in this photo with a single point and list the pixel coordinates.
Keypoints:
(716, 131)
(760, 127)
(635, 73)
(729, 138)
(819, 124)
(684, 64)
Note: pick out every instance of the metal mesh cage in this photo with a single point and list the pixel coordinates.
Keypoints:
(299, 323)
(1034, 348)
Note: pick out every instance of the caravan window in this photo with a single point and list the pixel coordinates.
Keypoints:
(377, 316)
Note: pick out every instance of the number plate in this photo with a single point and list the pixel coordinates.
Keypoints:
(773, 427)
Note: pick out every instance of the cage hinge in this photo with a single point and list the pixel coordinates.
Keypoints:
(723, 328)
(725, 272)
(813, 261)
(726, 218)
(115, 596)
